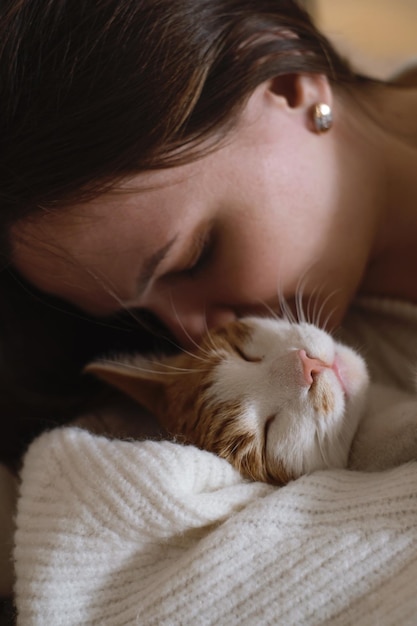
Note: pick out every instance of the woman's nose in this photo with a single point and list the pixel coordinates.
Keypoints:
(189, 326)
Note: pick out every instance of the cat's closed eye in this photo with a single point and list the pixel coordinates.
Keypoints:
(267, 426)
(245, 356)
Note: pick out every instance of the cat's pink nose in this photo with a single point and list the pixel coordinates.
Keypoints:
(311, 366)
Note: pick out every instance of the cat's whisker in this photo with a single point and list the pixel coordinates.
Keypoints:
(111, 292)
(175, 368)
(305, 315)
(61, 309)
(299, 296)
(269, 309)
(328, 318)
(299, 307)
(195, 356)
(183, 370)
(315, 300)
(200, 349)
(142, 323)
(136, 318)
(170, 369)
(104, 284)
(285, 307)
(310, 303)
(323, 306)
(187, 334)
(208, 336)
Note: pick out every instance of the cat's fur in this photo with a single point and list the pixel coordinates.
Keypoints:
(275, 398)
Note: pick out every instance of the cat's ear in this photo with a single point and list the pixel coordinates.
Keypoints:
(140, 380)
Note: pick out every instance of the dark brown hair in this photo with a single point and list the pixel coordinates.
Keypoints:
(94, 90)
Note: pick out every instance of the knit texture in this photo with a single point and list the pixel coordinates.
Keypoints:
(113, 533)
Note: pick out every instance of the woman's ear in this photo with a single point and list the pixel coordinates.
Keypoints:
(301, 93)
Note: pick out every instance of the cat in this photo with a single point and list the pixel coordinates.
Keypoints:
(275, 398)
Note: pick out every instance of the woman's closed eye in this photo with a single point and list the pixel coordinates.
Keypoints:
(201, 256)
(197, 256)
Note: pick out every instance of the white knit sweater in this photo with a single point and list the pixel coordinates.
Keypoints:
(112, 533)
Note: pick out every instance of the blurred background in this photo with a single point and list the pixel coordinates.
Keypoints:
(378, 36)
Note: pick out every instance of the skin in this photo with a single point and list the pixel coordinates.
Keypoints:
(279, 207)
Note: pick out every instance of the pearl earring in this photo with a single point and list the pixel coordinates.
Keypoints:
(322, 117)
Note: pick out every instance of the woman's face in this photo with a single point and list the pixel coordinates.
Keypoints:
(269, 213)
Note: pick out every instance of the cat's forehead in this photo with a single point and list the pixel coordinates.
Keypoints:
(261, 326)
(249, 327)
(265, 330)
(260, 335)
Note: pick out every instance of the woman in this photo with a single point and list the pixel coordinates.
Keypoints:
(172, 157)
(164, 156)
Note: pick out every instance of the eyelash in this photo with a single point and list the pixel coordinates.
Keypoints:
(205, 250)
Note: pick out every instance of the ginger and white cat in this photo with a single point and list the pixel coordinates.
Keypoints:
(277, 399)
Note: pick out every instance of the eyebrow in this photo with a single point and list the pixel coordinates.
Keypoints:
(152, 263)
